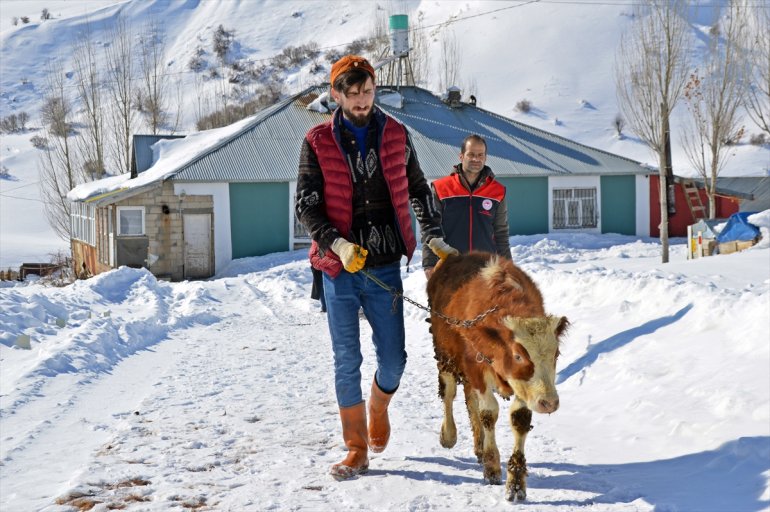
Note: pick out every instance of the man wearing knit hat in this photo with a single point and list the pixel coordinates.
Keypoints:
(358, 174)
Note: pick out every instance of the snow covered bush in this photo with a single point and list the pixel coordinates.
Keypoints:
(39, 142)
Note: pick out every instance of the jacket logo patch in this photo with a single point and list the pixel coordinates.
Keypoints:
(486, 204)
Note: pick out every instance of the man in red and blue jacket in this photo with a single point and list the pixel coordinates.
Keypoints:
(471, 202)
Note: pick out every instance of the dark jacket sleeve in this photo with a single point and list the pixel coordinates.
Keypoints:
(309, 199)
(429, 258)
(502, 233)
(421, 197)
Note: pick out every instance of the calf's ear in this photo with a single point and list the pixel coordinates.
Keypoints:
(559, 324)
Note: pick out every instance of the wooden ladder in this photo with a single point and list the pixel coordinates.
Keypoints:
(692, 196)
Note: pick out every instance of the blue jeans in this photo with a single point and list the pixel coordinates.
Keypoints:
(345, 294)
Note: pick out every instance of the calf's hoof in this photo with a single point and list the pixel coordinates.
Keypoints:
(446, 438)
(513, 493)
(493, 476)
(516, 486)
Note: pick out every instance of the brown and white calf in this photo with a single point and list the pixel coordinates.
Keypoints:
(511, 350)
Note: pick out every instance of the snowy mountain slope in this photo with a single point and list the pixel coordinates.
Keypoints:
(220, 393)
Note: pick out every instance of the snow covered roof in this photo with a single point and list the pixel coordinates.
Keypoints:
(265, 147)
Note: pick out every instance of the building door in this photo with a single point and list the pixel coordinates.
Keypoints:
(197, 245)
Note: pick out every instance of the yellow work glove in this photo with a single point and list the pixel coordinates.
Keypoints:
(442, 249)
(353, 256)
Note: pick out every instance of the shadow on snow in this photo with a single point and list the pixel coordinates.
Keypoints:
(733, 477)
(617, 341)
(439, 476)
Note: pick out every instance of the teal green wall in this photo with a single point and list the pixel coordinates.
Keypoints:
(618, 204)
(259, 218)
(527, 200)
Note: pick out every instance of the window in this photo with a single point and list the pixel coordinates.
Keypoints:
(82, 222)
(299, 229)
(130, 220)
(574, 208)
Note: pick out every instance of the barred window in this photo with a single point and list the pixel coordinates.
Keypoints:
(574, 208)
(83, 223)
(299, 229)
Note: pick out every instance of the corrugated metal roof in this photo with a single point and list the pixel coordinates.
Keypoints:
(754, 191)
(267, 149)
(513, 148)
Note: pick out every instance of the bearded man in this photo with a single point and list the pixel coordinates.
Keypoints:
(358, 173)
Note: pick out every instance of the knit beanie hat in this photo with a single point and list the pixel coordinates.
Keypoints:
(349, 62)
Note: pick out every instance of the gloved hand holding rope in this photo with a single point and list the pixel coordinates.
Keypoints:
(353, 256)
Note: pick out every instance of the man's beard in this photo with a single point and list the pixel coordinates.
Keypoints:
(358, 120)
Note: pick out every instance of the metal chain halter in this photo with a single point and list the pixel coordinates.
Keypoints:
(448, 319)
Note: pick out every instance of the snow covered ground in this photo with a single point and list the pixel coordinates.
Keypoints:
(218, 394)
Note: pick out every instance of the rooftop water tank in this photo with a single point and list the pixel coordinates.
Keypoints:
(399, 34)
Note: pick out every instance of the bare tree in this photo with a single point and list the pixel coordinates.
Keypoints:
(650, 74)
(173, 120)
(58, 171)
(757, 45)
(419, 53)
(202, 105)
(120, 69)
(450, 61)
(152, 47)
(89, 84)
(379, 39)
(714, 97)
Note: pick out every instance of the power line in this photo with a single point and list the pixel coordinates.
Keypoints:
(22, 186)
(22, 198)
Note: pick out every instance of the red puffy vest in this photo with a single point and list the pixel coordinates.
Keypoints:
(338, 186)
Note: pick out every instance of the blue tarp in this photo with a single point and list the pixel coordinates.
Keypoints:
(738, 228)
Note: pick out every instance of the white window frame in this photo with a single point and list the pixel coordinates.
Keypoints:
(574, 205)
(298, 234)
(573, 183)
(130, 208)
(83, 222)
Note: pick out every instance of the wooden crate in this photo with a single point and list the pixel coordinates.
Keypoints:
(737, 246)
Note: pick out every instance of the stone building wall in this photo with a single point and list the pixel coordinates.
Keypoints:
(163, 226)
